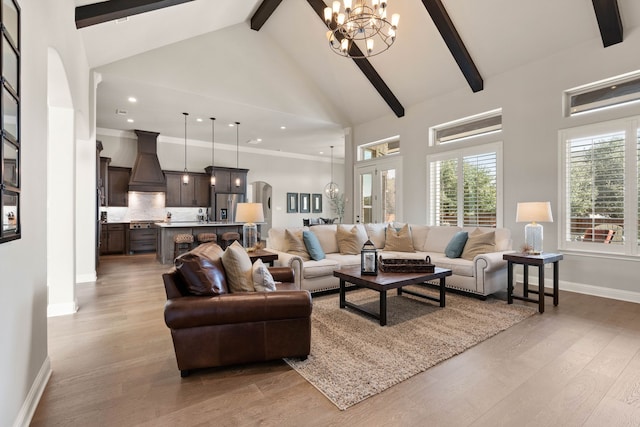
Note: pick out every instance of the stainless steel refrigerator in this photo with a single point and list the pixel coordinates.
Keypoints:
(225, 207)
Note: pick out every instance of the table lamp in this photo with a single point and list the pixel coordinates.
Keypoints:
(533, 212)
(249, 213)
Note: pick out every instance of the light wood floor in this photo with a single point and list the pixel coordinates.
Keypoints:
(113, 365)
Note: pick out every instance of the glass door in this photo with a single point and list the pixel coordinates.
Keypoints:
(377, 191)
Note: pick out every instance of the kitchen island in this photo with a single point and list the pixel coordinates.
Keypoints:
(167, 230)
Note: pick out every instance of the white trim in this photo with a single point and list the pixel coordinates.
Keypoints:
(33, 397)
(580, 288)
(85, 278)
(62, 309)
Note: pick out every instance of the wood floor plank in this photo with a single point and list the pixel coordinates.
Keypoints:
(113, 365)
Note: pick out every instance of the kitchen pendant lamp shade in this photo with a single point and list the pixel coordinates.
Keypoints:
(331, 190)
(185, 175)
(250, 214)
(237, 182)
(213, 149)
(533, 212)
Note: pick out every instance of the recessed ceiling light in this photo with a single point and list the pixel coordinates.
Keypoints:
(130, 120)
(259, 139)
(231, 125)
(322, 152)
(132, 99)
(283, 127)
(198, 119)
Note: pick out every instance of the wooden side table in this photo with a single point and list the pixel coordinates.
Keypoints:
(538, 261)
(266, 256)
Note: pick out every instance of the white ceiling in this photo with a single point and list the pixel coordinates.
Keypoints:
(202, 57)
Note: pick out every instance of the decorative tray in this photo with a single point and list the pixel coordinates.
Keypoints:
(399, 265)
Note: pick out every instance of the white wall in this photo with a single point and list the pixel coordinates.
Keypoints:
(23, 340)
(531, 99)
(287, 173)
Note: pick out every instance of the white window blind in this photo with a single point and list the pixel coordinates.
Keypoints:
(464, 187)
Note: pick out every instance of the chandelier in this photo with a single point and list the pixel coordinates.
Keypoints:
(363, 21)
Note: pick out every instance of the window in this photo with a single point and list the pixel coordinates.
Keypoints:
(600, 187)
(468, 127)
(465, 187)
(607, 93)
(379, 149)
(10, 122)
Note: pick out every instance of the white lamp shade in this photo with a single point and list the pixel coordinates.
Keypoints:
(534, 212)
(249, 212)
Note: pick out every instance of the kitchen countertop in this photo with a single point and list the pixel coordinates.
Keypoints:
(192, 224)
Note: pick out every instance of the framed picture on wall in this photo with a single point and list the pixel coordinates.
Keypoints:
(305, 202)
(292, 202)
(316, 203)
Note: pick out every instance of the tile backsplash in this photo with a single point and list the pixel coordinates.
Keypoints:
(150, 207)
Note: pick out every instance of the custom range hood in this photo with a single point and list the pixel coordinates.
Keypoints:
(147, 174)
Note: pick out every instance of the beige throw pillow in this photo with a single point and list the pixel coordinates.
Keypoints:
(295, 244)
(398, 240)
(237, 265)
(479, 243)
(351, 241)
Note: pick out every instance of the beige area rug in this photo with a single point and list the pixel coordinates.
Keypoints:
(353, 357)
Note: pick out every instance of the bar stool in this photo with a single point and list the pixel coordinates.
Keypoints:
(207, 237)
(229, 237)
(182, 243)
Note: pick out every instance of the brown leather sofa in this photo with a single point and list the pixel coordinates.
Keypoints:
(233, 328)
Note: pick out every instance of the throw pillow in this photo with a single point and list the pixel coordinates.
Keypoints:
(456, 244)
(295, 245)
(210, 250)
(479, 243)
(237, 265)
(201, 275)
(313, 246)
(350, 241)
(398, 240)
(262, 278)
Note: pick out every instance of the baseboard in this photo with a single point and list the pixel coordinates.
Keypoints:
(62, 309)
(86, 278)
(597, 291)
(33, 397)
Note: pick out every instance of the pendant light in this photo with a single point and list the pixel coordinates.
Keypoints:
(213, 141)
(331, 190)
(185, 176)
(237, 152)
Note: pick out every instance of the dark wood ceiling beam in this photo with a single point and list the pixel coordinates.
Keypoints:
(608, 16)
(454, 42)
(97, 13)
(266, 8)
(365, 66)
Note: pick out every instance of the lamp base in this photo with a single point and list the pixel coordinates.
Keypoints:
(533, 238)
(249, 235)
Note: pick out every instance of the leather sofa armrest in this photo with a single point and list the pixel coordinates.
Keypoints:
(282, 274)
(241, 307)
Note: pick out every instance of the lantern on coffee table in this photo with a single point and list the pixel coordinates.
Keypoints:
(369, 259)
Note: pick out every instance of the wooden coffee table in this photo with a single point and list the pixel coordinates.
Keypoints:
(386, 281)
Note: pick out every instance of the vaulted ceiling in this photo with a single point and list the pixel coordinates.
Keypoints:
(202, 57)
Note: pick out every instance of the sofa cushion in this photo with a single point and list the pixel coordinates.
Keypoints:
(202, 275)
(456, 244)
(345, 261)
(458, 266)
(398, 240)
(326, 235)
(262, 278)
(438, 238)
(419, 235)
(376, 233)
(479, 243)
(295, 244)
(320, 268)
(237, 265)
(313, 246)
(351, 238)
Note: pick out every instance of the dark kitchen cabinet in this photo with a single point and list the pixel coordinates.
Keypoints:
(112, 239)
(226, 179)
(193, 194)
(103, 180)
(118, 184)
(142, 240)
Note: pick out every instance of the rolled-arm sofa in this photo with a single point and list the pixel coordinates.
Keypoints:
(482, 275)
(232, 328)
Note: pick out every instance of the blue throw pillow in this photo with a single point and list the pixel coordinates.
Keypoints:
(313, 245)
(456, 245)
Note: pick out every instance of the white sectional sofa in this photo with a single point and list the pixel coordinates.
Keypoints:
(485, 274)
